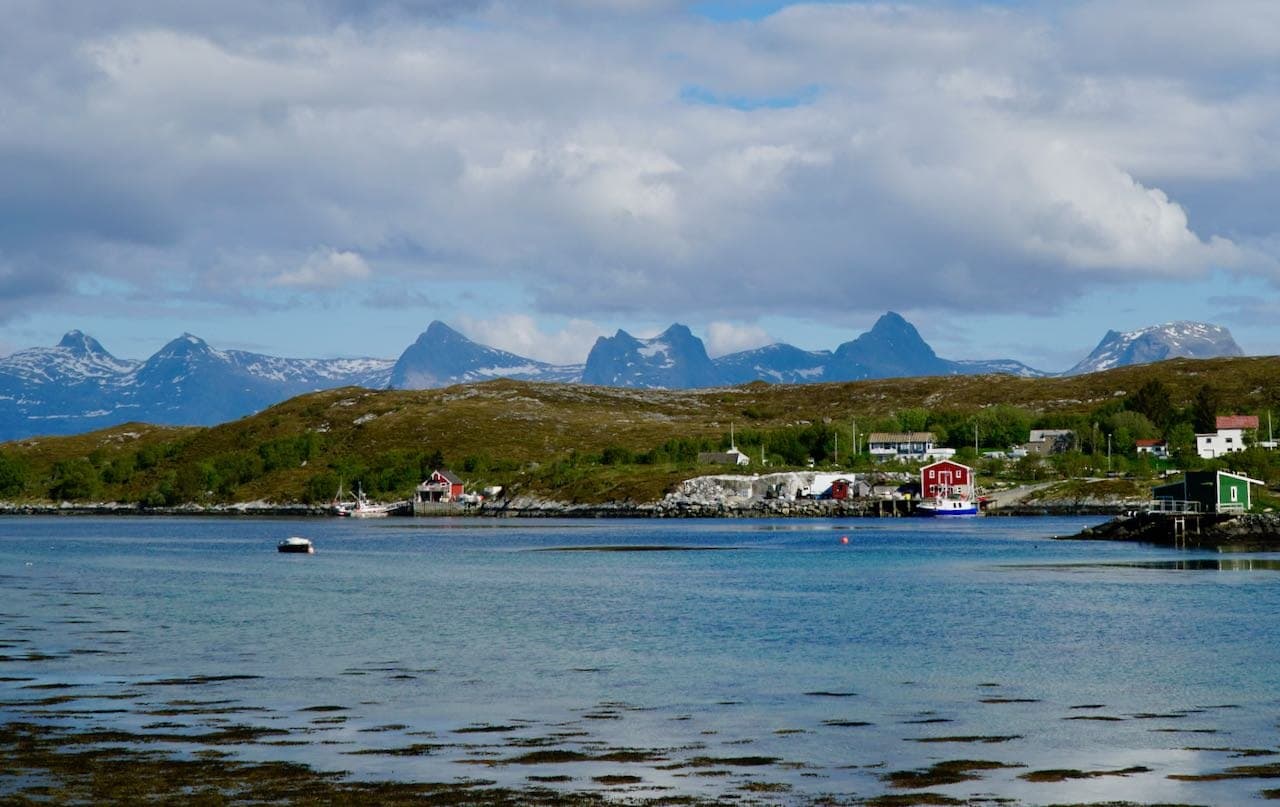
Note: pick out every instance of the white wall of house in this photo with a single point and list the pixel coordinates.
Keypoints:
(1216, 444)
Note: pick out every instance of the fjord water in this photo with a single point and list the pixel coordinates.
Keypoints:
(732, 654)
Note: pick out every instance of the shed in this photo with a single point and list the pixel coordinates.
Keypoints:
(731, 457)
(1214, 491)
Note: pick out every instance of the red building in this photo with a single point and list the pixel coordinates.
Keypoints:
(840, 489)
(441, 486)
(946, 478)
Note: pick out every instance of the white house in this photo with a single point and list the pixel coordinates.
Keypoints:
(1156, 448)
(905, 446)
(1228, 438)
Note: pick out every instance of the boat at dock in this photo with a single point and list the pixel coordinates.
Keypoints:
(947, 506)
(361, 507)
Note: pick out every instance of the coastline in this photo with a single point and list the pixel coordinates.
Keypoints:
(536, 508)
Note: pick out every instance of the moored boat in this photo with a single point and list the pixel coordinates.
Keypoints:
(361, 507)
(947, 506)
(296, 545)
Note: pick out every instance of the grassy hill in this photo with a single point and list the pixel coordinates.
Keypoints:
(577, 443)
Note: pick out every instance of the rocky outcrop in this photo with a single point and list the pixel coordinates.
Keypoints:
(1249, 532)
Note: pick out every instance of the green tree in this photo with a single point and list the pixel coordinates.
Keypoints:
(1204, 410)
(1135, 425)
(1003, 425)
(73, 479)
(1152, 401)
(913, 420)
(1070, 464)
(1182, 441)
(13, 474)
(1031, 467)
(119, 470)
(320, 488)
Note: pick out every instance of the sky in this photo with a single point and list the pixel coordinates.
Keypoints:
(325, 177)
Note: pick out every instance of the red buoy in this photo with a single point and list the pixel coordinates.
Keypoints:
(844, 539)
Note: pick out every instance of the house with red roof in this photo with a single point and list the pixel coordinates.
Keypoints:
(1229, 437)
(1156, 448)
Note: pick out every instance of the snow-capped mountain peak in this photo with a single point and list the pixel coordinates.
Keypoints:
(1182, 339)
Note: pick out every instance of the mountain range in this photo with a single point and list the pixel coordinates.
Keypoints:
(78, 385)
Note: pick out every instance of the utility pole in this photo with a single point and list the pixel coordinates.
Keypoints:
(1108, 452)
(837, 434)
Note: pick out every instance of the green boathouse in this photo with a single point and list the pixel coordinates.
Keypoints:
(1213, 491)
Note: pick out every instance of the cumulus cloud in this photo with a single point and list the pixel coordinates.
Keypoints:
(326, 268)
(825, 160)
(523, 335)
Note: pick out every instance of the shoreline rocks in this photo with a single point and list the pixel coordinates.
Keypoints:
(1249, 532)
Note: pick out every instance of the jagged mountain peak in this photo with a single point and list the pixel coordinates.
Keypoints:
(187, 346)
(442, 356)
(892, 348)
(438, 331)
(81, 344)
(673, 359)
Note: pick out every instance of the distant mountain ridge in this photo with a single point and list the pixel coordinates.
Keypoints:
(893, 348)
(78, 385)
(1182, 339)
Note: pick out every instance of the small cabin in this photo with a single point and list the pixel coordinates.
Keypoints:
(946, 478)
(1213, 491)
(731, 457)
(441, 486)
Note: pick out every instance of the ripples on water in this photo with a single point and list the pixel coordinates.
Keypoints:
(778, 663)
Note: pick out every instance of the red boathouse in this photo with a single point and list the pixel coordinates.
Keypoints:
(946, 478)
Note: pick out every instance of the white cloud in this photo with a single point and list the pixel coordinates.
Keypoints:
(521, 334)
(837, 158)
(326, 268)
(727, 337)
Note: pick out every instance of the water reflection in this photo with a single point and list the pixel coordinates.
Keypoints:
(1188, 565)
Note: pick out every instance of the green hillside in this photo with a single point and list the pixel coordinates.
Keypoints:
(581, 443)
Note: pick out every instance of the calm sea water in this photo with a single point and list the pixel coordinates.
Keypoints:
(774, 658)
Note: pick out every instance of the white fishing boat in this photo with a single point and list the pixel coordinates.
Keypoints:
(361, 507)
(947, 506)
(296, 545)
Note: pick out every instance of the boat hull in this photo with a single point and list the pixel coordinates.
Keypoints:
(948, 508)
(296, 546)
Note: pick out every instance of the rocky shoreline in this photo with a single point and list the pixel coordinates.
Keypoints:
(533, 507)
(1251, 532)
(256, 509)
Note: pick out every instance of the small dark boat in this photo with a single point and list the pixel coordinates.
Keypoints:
(296, 544)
